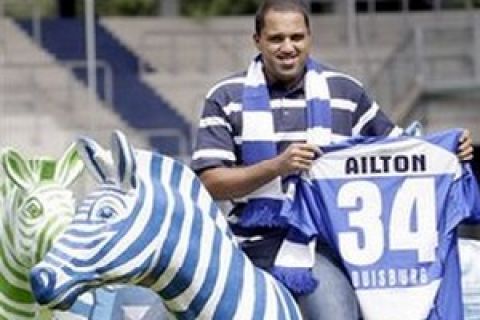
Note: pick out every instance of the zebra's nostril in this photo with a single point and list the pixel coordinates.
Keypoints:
(42, 281)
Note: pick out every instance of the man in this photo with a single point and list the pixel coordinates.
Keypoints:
(265, 124)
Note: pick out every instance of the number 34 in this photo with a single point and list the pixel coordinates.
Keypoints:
(415, 199)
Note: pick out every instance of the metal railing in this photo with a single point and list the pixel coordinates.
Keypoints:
(65, 101)
(397, 77)
(28, 92)
(33, 82)
(449, 54)
(433, 57)
(102, 66)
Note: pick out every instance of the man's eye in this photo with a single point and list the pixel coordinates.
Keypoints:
(276, 39)
(298, 37)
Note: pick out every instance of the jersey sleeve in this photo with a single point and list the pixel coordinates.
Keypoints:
(471, 195)
(371, 121)
(464, 199)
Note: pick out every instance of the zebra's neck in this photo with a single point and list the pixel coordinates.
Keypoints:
(193, 258)
(16, 299)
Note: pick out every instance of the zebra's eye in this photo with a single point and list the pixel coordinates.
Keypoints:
(106, 209)
(106, 212)
(33, 208)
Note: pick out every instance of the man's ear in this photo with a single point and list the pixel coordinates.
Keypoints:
(256, 40)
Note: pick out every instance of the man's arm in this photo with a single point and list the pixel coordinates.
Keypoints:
(227, 183)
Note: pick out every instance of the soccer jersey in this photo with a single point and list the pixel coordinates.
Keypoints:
(390, 208)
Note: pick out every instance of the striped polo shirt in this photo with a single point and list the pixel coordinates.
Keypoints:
(219, 135)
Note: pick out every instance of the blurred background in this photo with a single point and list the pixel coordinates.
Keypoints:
(71, 67)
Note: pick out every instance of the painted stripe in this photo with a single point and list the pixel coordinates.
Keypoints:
(178, 235)
(230, 298)
(288, 302)
(247, 295)
(212, 270)
(90, 152)
(173, 234)
(186, 272)
(183, 300)
(169, 216)
(271, 306)
(260, 297)
(226, 256)
(281, 307)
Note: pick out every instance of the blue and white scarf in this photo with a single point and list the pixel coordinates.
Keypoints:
(296, 256)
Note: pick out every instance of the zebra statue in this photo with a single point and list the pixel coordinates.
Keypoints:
(36, 205)
(151, 223)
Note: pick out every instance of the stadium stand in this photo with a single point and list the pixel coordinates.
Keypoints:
(43, 106)
(161, 67)
(137, 104)
(189, 55)
(402, 58)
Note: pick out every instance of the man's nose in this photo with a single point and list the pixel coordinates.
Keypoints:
(288, 45)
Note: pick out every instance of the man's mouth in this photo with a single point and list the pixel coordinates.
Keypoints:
(288, 61)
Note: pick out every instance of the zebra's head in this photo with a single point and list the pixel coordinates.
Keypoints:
(37, 203)
(97, 248)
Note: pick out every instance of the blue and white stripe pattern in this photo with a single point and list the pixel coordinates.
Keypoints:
(152, 223)
(258, 133)
(219, 137)
(258, 144)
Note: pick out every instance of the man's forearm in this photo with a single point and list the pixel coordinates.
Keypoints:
(229, 183)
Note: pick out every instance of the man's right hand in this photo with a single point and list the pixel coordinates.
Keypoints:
(297, 157)
(228, 183)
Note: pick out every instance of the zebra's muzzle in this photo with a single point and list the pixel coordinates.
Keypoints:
(44, 287)
(42, 281)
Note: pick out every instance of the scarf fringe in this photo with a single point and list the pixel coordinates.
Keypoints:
(299, 281)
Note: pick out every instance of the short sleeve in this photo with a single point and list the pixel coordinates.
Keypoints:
(370, 120)
(214, 145)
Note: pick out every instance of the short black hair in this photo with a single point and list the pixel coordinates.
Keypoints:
(280, 5)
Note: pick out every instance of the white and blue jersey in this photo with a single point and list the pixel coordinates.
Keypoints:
(390, 208)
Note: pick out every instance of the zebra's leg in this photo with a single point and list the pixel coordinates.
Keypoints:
(147, 305)
(92, 305)
(334, 298)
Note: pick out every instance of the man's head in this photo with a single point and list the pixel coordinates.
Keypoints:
(282, 35)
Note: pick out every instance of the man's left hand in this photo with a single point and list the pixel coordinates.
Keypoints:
(465, 147)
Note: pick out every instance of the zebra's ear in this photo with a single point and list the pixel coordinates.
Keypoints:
(124, 160)
(17, 169)
(97, 160)
(69, 167)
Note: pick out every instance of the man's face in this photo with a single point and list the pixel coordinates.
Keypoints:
(284, 43)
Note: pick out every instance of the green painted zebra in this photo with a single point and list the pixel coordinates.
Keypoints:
(150, 222)
(35, 206)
